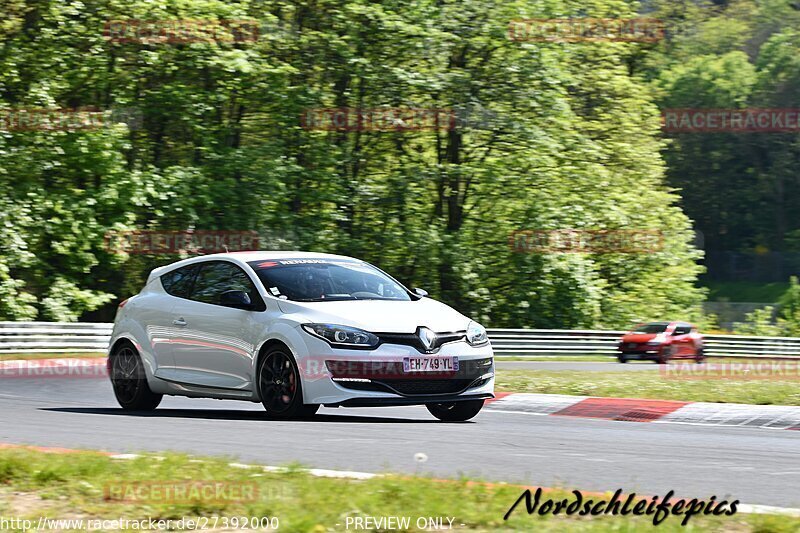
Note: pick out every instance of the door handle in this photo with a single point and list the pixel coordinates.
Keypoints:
(179, 322)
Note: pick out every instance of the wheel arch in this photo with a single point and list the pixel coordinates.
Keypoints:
(117, 343)
(147, 358)
(262, 351)
(268, 345)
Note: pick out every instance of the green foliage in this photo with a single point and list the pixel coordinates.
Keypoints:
(759, 323)
(740, 189)
(571, 140)
(790, 309)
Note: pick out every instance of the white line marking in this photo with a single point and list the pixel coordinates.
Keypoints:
(125, 456)
(767, 509)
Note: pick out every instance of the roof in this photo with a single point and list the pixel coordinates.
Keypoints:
(260, 255)
(244, 257)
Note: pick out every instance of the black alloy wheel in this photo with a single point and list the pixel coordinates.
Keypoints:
(129, 381)
(280, 387)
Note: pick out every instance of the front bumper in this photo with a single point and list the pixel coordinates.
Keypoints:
(418, 400)
(641, 356)
(641, 351)
(335, 377)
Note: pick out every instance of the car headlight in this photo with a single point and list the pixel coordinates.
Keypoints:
(476, 334)
(343, 336)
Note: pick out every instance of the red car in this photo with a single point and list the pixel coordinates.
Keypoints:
(660, 342)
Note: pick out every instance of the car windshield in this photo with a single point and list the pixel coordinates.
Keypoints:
(657, 327)
(323, 280)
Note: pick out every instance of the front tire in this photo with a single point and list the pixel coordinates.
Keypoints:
(280, 387)
(130, 382)
(455, 411)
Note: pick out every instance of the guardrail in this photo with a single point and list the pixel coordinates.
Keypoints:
(77, 337)
(54, 337)
(538, 342)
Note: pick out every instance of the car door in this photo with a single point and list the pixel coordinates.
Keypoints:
(157, 315)
(217, 342)
(681, 340)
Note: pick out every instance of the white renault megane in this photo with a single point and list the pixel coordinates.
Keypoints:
(296, 330)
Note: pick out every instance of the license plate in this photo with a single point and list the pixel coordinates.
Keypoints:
(430, 364)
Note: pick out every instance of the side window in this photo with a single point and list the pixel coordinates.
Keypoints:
(218, 277)
(179, 281)
(682, 330)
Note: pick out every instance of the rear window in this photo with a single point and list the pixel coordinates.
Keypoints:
(179, 281)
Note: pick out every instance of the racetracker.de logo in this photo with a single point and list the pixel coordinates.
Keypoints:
(769, 120)
(174, 242)
(743, 371)
(580, 29)
(178, 31)
(80, 119)
(63, 368)
(322, 367)
(379, 119)
(556, 241)
(182, 492)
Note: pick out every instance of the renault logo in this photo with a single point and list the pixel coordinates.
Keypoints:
(426, 337)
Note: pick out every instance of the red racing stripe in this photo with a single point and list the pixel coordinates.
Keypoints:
(627, 409)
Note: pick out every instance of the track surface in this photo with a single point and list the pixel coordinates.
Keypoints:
(757, 466)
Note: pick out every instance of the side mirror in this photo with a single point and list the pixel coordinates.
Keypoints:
(237, 299)
(420, 292)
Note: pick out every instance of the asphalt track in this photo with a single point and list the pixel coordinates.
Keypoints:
(756, 466)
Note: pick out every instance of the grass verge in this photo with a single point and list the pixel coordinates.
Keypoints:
(651, 385)
(560, 358)
(74, 486)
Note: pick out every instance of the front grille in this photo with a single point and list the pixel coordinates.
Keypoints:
(411, 339)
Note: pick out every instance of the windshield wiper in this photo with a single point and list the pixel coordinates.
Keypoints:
(337, 298)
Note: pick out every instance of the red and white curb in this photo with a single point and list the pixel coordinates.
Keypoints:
(655, 411)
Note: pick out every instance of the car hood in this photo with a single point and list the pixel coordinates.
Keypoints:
(639, 337)
(379, 316)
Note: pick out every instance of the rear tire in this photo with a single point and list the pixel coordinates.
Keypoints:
(280, 386)
(130, 381)
(622, 359)
(699, 357)
(455, 411)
